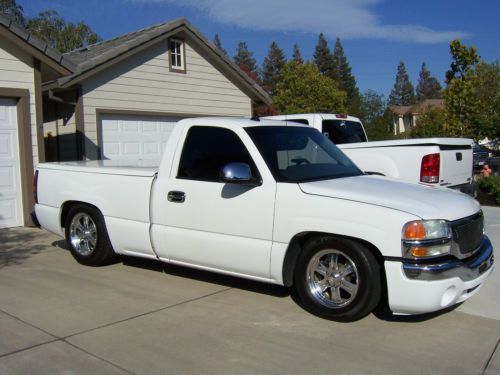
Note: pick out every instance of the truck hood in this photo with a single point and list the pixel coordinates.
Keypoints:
(427, 202)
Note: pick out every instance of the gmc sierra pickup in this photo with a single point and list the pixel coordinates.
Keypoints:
(278, 203)
(433, 161)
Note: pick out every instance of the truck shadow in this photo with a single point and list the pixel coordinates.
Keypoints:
(206, 276)
(382, 312)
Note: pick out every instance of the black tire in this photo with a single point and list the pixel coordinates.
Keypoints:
(346, 292)
(87, 236)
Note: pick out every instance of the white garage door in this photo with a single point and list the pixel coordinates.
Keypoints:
(135, 137)
(10, 174)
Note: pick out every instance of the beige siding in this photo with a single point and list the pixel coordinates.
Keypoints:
(144, 83)
(16, 71)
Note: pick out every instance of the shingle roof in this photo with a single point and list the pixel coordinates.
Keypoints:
(417, 108)
(91, 57)
(36, 43)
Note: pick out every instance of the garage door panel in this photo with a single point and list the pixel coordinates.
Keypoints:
(10, 176)
(135, 137)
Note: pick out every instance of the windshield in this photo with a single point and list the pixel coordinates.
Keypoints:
(343, 131)
(300, 154)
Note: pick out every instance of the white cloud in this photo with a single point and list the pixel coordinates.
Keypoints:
(347, 19)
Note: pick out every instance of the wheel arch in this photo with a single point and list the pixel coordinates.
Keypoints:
(298, 242)
(68, 205)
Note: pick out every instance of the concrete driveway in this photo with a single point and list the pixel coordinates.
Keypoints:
(141, 317)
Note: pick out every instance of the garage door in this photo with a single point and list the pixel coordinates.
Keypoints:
(135, 137)
(10, 173)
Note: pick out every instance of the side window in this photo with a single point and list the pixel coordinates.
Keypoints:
(177, 55)
(207, 150)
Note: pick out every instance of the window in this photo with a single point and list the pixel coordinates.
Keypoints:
(344, 131)
(300, 154)
(177, 62)
(207, 150)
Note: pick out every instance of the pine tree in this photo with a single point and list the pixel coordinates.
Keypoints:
(342, 73)
(245, 60)
(272, 67)
(218, 44)
(402, 92)
(322, 56)
(428, 86)
(10, 9)
(297, 56)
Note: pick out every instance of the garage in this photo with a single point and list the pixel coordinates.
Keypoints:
(11, 212)
(135, 137)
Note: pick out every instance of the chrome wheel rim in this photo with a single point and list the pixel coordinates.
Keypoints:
(332, 278)
(83, 234)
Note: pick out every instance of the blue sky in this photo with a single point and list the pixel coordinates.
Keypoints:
(376, 34)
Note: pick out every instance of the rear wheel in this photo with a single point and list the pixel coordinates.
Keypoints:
(87, 237)
(337, 279)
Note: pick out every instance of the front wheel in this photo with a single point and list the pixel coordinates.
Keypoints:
(87, 237)
(338, 279)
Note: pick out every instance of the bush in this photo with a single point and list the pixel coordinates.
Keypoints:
(491, 185)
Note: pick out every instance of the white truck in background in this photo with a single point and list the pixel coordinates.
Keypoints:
(275, 202)
(443, 162)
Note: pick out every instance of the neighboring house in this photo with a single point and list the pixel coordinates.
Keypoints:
(116, 99)
(405, 117)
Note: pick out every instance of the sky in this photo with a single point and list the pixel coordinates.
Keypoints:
(376, 34)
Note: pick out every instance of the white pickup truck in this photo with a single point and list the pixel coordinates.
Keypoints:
(434, 161)
(278, 203)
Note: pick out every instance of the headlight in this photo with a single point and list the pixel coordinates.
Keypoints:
(426, 239)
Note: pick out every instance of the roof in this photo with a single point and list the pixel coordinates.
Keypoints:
(90, 59)
(35, 45)
(232, 122)
(417, 108)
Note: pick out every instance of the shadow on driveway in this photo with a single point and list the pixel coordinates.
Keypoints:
(18, 244)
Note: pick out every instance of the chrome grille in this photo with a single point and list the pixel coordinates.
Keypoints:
(468, 234)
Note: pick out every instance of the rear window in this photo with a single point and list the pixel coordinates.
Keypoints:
(344, 131)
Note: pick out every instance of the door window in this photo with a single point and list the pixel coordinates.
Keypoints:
(208, 149)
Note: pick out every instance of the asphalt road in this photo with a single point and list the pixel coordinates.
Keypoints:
(141, 317)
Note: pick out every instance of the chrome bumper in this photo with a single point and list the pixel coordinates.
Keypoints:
(466, 269)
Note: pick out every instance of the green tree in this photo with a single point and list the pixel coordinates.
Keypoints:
(488, 94)
(13, 11)
(303, 89)
(297, 56)
(402, 92)
(218, 44)
(322, 56)
(462, 102)
(53, 29)
(465, 60)
(428, 86)
(342, 73)
(431, 123)
(271, 68)
(377, 120)
(245, 60)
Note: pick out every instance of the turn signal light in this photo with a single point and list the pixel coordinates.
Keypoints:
(419, 251)
(414, 231)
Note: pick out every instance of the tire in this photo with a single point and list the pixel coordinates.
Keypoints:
(87, 236)
(337, 279)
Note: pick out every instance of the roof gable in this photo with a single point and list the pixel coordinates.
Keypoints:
(92, 59)
(35, 46)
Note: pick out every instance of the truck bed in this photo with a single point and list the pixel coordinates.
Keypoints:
(143, 168)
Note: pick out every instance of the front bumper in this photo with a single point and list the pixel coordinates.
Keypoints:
(421, 288)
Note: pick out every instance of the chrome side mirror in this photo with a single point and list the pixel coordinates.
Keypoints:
(238, 173)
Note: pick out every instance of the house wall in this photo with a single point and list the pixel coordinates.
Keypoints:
(17, 71)
(144, 83)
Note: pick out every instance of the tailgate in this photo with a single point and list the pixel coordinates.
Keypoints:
(456, 165)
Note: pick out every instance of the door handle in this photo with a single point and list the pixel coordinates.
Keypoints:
(176, 196)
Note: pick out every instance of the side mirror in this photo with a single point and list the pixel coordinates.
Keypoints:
(238, 173)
